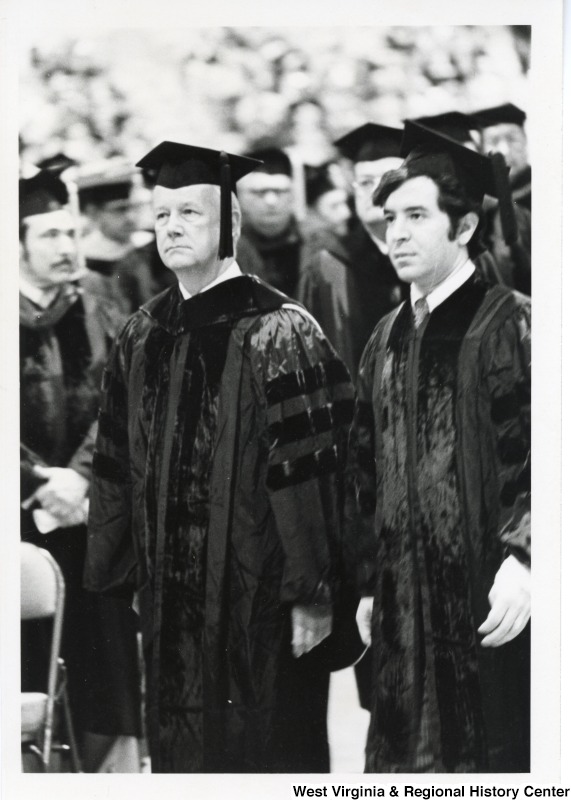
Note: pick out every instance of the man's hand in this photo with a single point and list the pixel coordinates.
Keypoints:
(63, 495)
(364, 616)
(310, 626)
(510, 604)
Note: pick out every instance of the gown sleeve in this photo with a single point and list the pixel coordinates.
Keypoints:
(308, 401)
(360, 498)
(110, 560)
(507, 365)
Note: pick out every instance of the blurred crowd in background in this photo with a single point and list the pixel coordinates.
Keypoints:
(121, 92)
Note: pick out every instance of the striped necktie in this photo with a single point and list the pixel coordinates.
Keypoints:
(421, 311)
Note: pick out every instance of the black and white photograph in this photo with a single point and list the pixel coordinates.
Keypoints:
(272, 383)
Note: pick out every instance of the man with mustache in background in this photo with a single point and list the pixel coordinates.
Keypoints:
(65, 334)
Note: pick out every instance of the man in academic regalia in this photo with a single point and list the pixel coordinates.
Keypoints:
(502, 131)
(216, 494)
(441, 440)
(65, 336)
(273, 245)
(349, 285)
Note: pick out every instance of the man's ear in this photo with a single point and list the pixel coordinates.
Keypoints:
(467, 227)
(236, 222)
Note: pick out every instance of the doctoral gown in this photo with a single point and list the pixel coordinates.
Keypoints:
(217, 491)
(441, 445)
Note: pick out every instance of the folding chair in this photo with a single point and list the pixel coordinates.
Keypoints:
(42, 595)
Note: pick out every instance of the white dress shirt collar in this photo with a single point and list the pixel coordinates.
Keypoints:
(443, 291)
(232, 271)
(41, 297)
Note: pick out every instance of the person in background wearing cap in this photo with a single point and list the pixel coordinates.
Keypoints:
(65, 336)
(502, 131)
(441, 448)
(349, 285)
(106, 199)
(272, 244)
(217, 467)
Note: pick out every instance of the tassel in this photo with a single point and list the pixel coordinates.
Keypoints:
(505, 201)
(226, 249)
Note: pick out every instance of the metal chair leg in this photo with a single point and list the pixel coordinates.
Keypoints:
(63, 700)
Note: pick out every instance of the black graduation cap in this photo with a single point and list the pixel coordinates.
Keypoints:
(57, 163)
(498, 115)
(370, 142)
(174, 165)
(41, 193)
(275, 161)
(430, 153)
(454, 124)
(317, 182)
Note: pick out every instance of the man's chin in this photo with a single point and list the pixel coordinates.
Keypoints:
(405, 272)
(177, 261)
(67, 276)
(271, 229)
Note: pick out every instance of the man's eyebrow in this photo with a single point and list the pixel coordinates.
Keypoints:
(408, 209)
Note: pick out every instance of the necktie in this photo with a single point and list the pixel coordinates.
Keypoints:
(421, 311)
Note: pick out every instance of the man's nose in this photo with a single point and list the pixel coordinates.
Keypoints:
(398, 230)
(174, 225)
(271, 198)
(66, 244)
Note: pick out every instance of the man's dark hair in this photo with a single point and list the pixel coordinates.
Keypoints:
(452, 199)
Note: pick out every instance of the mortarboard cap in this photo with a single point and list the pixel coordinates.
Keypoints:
(174, 165)
(57, 163)
(370, 142)
(40, 194)
(275, 161)
(498, 115)
(430, 153)
(454, 124)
